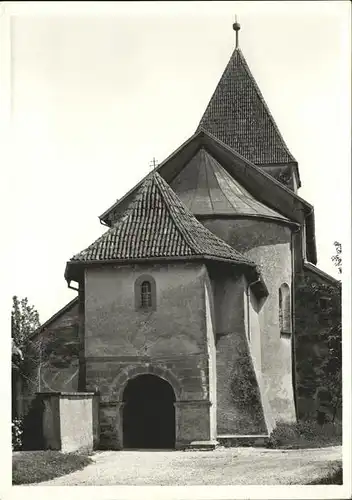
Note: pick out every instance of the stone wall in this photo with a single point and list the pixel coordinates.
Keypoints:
(269, 245)
(188, 376)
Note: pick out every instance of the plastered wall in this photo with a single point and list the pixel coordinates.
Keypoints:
(268, 244)
(173, 340)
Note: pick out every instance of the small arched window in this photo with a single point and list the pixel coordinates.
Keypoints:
(285, 310)
(145, 293)
(280, 310)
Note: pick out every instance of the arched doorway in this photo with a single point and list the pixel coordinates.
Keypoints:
(148, 413)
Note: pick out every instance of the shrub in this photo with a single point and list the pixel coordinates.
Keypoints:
(245, 391)
(17, 432)
(305, 434)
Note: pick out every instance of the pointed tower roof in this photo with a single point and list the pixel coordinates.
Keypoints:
(238, 115)
(206, 188)
(156, 225)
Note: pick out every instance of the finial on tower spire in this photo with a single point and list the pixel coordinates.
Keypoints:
(236, 26)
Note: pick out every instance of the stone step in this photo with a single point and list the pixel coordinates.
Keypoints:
(202, 445)
(229, 441)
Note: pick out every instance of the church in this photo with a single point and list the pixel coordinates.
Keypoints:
(184, 321)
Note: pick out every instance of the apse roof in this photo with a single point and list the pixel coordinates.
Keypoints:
(156, 224)
(263, 186)
(206, 188)
(238, 115)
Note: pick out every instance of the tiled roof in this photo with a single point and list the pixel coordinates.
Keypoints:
(157, 224)
(238, 115)
(206, 188)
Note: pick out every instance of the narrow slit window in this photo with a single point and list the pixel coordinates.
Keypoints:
(324, 303)
(285, 310)
(146, 295)
(280, 311)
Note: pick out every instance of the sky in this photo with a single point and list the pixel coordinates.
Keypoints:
(93, 91)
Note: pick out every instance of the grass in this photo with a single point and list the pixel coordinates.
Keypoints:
(333, 477)
(37, 466)
(307, 434)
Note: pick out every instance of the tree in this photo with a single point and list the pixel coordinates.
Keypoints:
(337, 258)
(25, 353)
(17, 355)
(36, 354)
(24, 322)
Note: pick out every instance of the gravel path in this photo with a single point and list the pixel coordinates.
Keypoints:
(230, 466)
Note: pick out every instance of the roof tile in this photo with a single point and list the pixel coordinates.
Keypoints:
(238, 115)
(157, 224)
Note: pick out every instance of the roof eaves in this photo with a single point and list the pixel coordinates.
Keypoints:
(227, 215)
(81, 264)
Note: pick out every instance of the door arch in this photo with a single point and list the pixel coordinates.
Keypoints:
(148, 413)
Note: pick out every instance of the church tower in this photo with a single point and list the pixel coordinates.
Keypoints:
(238, 115)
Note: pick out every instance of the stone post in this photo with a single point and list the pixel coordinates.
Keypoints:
(193, 425)
(70, 421)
